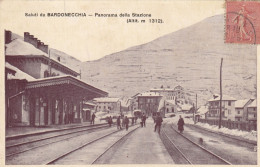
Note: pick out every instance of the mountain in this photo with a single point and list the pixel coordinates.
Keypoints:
(189, 57)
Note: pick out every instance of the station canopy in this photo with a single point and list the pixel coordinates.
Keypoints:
(65, 85)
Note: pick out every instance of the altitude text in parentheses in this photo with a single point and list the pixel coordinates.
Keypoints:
(132, 21)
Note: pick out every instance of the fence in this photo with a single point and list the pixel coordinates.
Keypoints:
(244, 126)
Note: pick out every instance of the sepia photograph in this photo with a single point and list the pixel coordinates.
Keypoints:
(129, 82)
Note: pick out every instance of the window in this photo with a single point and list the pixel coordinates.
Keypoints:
(229, 112)
(254, 115)
(238, 112)
(229, 103)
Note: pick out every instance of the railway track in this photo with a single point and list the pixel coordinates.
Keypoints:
(223, 134)
(71, 157)
(29, 142)
(185, 151)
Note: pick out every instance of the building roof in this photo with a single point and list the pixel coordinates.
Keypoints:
(106, 100)
(135, 95)
(224, 98)
(170, 101)
(64, 80)
(202, 109)
(89, 103)
(19, 74)
(19, 48)
(253, 104)
(241, 103)
(162, 89)
(149, 94)
(186, 107)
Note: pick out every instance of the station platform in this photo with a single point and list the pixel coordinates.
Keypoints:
(26, 130)
(144, 146)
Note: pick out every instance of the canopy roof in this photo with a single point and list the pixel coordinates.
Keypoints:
(66, 83)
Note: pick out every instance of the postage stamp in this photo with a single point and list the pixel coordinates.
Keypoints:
(242, 22)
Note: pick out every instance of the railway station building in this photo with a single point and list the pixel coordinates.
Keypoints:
(42, 91)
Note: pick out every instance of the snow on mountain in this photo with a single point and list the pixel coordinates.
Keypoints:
(189, 57)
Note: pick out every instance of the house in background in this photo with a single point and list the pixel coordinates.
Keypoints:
(241, 109)
(228, 108)
(134, 102)
(170, 106)
(148, 102)
(202, 112)
(108, 104)
(252, 111)
(88, 109)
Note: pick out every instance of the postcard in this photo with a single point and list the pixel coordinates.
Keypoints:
(129, 82)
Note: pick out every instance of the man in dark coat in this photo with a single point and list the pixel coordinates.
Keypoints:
(93, 118)
(143, 119)
(180, 124)
(110, 121)
(118, 122)
(158, 122)
(126, 123)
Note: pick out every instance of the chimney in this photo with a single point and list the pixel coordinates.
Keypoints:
(26, 36)
(8, 36)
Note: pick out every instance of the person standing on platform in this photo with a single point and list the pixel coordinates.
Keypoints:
(143, 119)
(126, 123)
(158, 122)
(133, 120)
(110, 121)
(180, 124)
(93, 118)
(118, 122)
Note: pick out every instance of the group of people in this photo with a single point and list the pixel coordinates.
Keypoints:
(125, 122)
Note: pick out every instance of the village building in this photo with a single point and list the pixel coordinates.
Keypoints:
(228, 108)
(169, 93)
(241, 109)
(108, 104)
(252, 112)
(88, 108)
(170, 106)
(51, 94)
(201, 113)
(134, 102)
(148, 102)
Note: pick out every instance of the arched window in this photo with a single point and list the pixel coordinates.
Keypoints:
(53, 74)
(46, 74)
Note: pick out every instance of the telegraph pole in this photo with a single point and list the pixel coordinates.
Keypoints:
(196, 107)
(220, 100)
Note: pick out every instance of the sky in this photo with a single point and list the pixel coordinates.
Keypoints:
(90, 38)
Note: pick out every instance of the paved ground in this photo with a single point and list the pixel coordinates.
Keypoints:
(144, 146)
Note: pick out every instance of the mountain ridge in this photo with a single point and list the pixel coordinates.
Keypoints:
(189, 57)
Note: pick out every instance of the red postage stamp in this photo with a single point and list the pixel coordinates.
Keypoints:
(242, 22)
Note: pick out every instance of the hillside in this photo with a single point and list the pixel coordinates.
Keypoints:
(189, 57)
